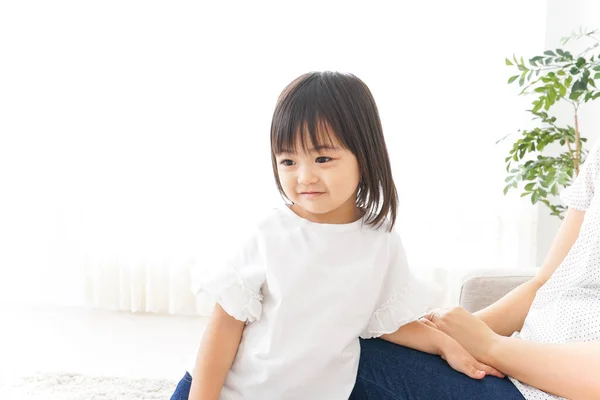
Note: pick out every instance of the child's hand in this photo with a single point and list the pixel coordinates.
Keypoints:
(460, 359)
(468, 330)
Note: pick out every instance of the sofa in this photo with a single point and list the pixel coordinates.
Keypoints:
(482, 288)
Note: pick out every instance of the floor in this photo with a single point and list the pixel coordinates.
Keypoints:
(96, 342)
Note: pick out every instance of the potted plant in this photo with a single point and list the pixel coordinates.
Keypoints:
(556, 76)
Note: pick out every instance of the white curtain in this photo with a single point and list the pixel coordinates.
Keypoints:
(134, 135)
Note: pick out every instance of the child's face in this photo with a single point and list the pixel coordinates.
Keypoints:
(321, 182)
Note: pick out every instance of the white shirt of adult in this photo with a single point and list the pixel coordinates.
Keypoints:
(307, 292)
(567, 308)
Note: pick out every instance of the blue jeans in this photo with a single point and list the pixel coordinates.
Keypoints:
(182, 391)
(391, 372)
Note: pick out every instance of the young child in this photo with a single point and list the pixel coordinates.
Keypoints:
(320, 272)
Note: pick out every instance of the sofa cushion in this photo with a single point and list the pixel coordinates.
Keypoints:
(480, 291)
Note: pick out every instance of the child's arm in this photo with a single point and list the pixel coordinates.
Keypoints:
(402, 297)
(423, 337)
(217, 352)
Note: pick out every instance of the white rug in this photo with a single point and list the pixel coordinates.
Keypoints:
(80, 387)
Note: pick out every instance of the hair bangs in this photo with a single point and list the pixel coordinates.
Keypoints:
(305, 118)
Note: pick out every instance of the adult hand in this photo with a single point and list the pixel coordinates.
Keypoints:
(468, 330)
(459, 359)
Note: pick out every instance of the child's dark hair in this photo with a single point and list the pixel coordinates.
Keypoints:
(342, 104)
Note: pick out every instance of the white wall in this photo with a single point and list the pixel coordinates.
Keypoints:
(131, 130)
(564, 17)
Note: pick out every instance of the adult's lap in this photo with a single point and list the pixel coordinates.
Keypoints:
(391, 372)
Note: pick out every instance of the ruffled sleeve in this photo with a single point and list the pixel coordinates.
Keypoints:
(581, 192)
(403, 297)
(237, 284)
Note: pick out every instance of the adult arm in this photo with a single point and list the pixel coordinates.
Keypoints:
(507, 315)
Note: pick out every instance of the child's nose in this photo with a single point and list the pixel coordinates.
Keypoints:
(306, 176)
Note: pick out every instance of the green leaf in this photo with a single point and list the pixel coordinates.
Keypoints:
(568, 81)
(529, 187)
(574, 71)
(551, 97)
(580, 62)
(597, 75)
(535, 59)
(586, 74)
(507, 61)
(512, 79)
(560, 52)
(562, 90)
(549, 53)
(506, 189)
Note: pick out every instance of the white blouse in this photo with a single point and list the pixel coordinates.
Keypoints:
(567, 308)
(307, 292)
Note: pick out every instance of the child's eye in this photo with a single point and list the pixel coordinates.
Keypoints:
(321, 160)
(287, 163)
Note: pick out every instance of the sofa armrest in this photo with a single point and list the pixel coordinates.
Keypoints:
(482, 288)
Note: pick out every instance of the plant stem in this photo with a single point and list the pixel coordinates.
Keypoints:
(575, 163)
(577, 144)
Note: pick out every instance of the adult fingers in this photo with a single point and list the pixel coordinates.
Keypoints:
(488, 370)
(428, 322)
(468, 368)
